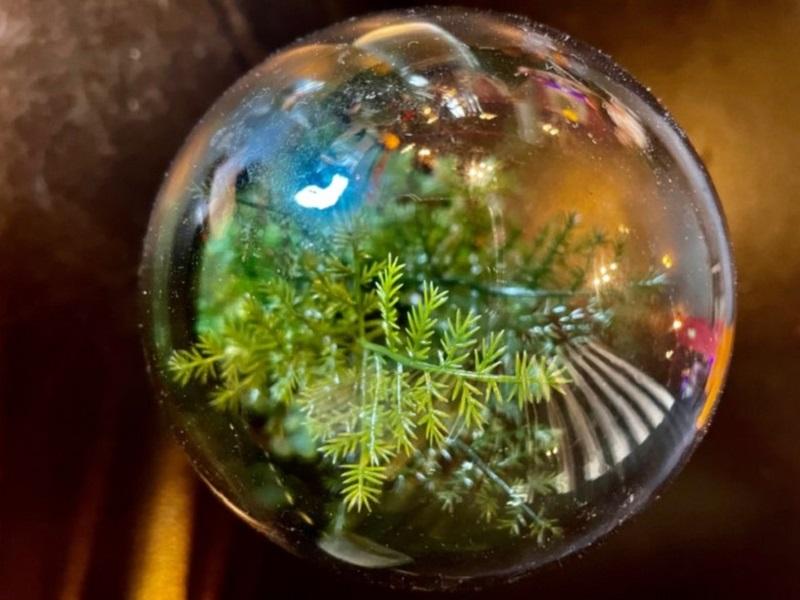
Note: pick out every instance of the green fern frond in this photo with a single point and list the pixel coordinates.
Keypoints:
(373, 269)
(490, 354)
(333, 291)
(433, 423)
(228, 397)
(426, 394)
(459, 337)
(422, 323)
(362, 485)
(540, 484)
(470, 405)
(524, 385)
(388, 292)
(342, 446)
(199, 362)
(402, 412)
(488, 503)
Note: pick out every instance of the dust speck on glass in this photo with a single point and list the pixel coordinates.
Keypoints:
(439, 295)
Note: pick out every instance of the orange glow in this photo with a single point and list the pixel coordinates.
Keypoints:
(716, 377)
(161, 552)
(390, 141)
(570, 115)
(382, 68)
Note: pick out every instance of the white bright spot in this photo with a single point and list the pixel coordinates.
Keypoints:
(313, 196)
(455, 107)
(480, 173)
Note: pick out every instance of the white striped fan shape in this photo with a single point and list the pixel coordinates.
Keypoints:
(608, 411)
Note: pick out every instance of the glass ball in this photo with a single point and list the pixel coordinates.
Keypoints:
(440, 296)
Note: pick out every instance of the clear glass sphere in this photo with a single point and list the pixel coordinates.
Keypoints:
(438, 295)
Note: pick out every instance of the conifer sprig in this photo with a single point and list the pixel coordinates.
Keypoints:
(392, 378)
(415, 400)
(423, 378)
(388, 289)
(199, 362)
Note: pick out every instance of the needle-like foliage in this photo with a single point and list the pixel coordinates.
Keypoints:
(416, 347)
(416, 374)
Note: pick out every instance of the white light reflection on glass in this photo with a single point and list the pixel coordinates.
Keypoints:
(313, 196)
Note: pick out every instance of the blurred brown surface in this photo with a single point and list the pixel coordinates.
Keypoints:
(95, 499)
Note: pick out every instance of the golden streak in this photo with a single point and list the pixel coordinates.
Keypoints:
(390, 141)
(161, 550)
(716, 377)
(570, 115)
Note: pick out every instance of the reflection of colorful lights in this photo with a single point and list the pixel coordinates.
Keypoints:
(390, 141)
(627, 128)
(424, 160)
(313, 196)
(480, 173)
(570, 115)
(550, 129)
(430, 116)
(604, 276)
(677, 324)
(454, 103)
(666, 260)
(302, 89)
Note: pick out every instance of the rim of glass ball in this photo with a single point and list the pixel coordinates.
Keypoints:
(692, 165)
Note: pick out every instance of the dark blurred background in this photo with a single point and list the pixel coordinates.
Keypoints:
(96, 500)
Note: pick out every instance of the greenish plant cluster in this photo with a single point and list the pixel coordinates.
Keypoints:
(415, 344)
(379, 376)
